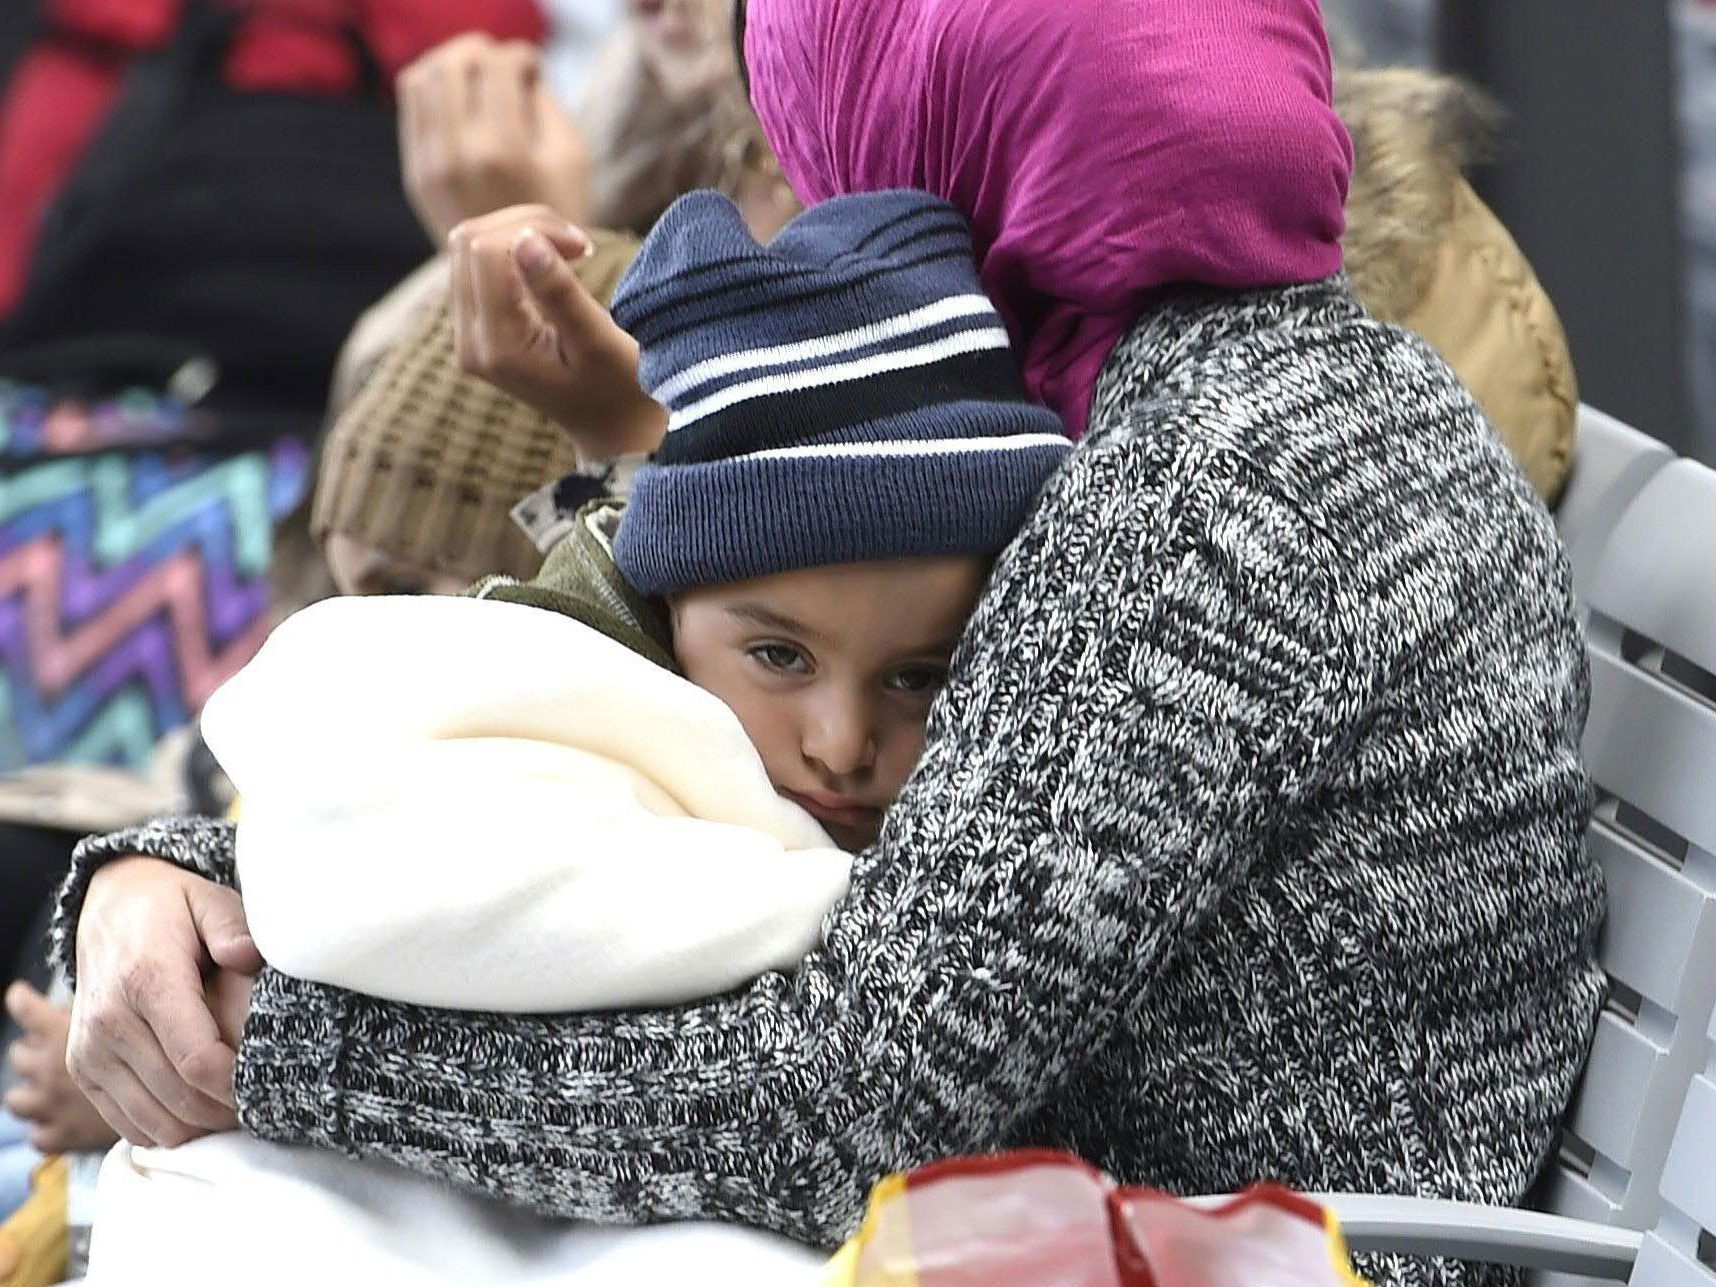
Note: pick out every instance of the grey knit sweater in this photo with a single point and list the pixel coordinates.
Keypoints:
(1247, 844)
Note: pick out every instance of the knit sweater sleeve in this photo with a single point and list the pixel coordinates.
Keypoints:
(1157, 675)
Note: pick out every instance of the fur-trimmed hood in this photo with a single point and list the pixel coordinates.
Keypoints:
(1414, 135)
(1423, 251)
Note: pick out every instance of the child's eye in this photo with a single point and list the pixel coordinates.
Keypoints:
(779, 656)
(919, 681)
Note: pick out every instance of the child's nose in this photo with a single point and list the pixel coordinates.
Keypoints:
(839, 737)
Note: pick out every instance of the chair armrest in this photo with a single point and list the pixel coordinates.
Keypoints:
(1494, 1235)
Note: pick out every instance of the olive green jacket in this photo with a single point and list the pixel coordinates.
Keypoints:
(579, 579)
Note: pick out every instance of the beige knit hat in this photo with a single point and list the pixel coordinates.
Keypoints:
(425, 462)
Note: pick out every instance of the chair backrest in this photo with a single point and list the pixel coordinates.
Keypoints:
(1681, 1251)
(1650, 746)
(1611, 464)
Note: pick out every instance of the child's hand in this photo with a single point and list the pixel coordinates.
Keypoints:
(62, 1120)
(524, 322)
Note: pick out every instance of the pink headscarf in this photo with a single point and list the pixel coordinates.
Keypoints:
(1101, 148)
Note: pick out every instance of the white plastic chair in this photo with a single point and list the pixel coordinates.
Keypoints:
(1681, 1251)
(1650, 745)
(1640, 1150)
(1611, 465)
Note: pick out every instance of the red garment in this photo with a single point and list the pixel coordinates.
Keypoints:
(57, 99)
(66, 84)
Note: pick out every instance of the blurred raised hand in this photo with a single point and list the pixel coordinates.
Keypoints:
(479, 130)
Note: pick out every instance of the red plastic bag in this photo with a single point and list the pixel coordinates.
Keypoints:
(1044, 1219)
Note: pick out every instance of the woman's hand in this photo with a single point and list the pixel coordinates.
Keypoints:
(523, 322)
(228, 994)
(478, 130)
(61, 1118)
(146, 1047)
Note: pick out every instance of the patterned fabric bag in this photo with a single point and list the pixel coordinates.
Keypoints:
(133, 569)
(161, 378)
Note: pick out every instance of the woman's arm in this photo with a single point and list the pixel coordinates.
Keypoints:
(1157, 675)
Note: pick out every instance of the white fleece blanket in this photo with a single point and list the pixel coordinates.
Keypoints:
(474, 805)
(485, 806)
(230, 1209)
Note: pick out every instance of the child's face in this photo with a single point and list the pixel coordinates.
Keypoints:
(360, 568)
(831, 671)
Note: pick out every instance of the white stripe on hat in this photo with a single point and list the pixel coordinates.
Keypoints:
(912, 447)
(919, 319)
(841, 373)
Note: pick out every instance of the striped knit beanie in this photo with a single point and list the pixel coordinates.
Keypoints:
(845, 394)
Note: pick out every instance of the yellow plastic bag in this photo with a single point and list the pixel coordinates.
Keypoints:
(35, 1242)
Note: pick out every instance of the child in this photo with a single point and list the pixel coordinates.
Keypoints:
(619, 784)
(850, 446)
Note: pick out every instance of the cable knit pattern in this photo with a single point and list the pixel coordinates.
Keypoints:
(1247, 843)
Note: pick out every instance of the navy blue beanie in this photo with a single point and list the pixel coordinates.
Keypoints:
(844, 394)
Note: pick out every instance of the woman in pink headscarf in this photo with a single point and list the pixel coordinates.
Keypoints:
(1101, 151)
(1247, 838)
